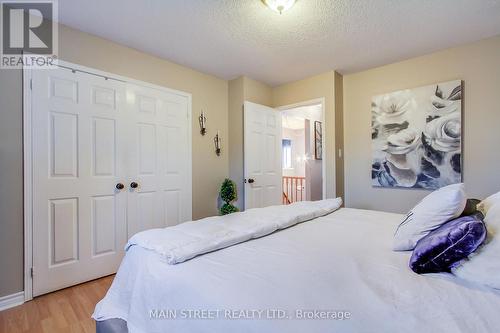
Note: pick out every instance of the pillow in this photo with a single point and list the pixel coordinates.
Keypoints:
(448, 245)
(434, 210)
(471, 207)
(489, 202)
(483, 266)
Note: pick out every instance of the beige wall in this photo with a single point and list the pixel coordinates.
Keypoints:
(478, 64)
(208, 92)
(11, 182)
(258, 92)
(235, 116)
(319, 86)
(240, 90)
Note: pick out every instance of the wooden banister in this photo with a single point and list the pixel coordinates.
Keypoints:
(286, 201)
(293, 189)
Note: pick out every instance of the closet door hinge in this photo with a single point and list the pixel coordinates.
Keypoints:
(32, 271)
(31, 84)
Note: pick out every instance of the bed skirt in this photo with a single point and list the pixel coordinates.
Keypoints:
(111, 326)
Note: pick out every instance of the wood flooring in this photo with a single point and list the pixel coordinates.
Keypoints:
(66, 310)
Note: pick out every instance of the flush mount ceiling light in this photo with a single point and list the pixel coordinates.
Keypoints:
(279, 6)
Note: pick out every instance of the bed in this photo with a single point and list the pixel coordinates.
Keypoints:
(335, 273)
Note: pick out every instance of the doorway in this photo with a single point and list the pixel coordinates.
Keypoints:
(302, 148)
(282, 166)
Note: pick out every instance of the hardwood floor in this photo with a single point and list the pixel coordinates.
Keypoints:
(66, 310)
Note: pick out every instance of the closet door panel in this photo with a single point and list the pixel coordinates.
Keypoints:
(79, 221)
(159, 158)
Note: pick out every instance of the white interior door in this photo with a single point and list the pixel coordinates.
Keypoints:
(90, 134)
(159, 161)
(78, 150)
(262, 156)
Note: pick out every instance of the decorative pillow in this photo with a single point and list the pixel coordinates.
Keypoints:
(471, 207)
(434, 210)
(489, 202)
(448, 245)
(483, 266)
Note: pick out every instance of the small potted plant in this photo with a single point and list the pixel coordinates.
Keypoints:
(228, 194)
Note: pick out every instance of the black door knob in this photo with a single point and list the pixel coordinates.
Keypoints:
(251, 180)
(120, 186)
(134, 185)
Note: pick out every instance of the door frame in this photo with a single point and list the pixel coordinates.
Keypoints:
(316, 101)
(28, 151)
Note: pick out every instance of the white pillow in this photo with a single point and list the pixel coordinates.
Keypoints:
(483, 266)
(489, 202)
(434, 210)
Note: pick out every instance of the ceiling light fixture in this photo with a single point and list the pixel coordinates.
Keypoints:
(279, 6)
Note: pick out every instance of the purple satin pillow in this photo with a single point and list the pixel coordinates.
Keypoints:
(449, 244)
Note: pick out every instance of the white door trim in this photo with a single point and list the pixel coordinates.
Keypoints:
(28, 161)
(315, 101)
(27, 185)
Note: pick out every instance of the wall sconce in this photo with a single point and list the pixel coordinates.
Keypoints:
(203, 123)
(217, 141)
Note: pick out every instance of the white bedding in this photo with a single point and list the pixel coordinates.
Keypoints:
(188, 240)
(340, 262)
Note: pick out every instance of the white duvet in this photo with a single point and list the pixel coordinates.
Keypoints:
(188, 240)
(341, 263)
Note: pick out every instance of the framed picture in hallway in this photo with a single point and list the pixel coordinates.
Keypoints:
(417, 137)
(318, 141)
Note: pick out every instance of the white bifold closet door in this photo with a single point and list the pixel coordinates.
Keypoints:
(91, 134)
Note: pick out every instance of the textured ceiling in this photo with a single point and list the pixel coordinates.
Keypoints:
(228, 38)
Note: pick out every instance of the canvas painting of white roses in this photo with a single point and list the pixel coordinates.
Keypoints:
(417, 137)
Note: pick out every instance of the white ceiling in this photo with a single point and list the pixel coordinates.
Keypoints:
(229, 38)
(294, 118)
(293, 123)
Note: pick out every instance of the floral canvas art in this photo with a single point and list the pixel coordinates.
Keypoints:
(417, 137)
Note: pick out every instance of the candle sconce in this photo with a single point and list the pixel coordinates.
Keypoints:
(217, 142)
(203, 123)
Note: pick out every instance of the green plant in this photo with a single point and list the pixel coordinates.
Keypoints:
(227, 208)
(228, 194)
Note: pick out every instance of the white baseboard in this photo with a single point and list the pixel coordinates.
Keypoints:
(10, 301)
